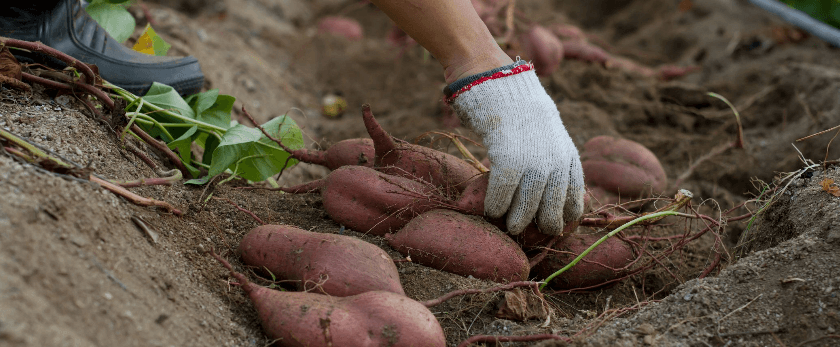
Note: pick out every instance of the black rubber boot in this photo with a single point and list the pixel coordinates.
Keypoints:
(65, 26)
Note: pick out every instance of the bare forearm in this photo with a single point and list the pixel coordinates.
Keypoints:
(451, 30)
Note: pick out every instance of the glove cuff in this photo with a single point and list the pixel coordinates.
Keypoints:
(462, 85)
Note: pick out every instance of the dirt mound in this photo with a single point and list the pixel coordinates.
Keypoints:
(78, 268)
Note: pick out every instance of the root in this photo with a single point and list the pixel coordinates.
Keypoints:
(134, 198)
(252, 214)
(383, 143)
(533, 285)
(305, 188)
(525, 338)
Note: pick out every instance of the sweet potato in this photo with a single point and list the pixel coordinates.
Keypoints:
(346, 152)
(369, 201)
(330, 264)
(417, 162)
(461, 244)
(622, 167)
(543, 48)
(374, 318)
(341, 26)
(581, 49)
(603, 264)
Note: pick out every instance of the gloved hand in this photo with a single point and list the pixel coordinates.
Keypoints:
(535, 168)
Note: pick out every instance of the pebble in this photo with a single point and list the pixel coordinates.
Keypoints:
(833, 236)
(202, 35)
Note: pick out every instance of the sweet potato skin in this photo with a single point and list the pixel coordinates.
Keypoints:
(416, 162)
(369, 319)
(461, 244)
(622, 167)
(350, 152)
(370, 201)
(341, 26)
(595, 268)
(543, 48)
(330, 264)
(375, 318)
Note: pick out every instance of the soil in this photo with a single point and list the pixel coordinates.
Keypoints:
(75, 269)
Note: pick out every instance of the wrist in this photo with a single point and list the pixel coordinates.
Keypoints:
(453, 90)
(475, 65)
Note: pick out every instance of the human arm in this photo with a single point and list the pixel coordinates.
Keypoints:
(536, 169)
(451, 31)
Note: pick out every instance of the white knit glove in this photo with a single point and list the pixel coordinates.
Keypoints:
(535, 168)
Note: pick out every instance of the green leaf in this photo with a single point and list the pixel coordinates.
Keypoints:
(266, 159)
(219, 113)
(212, 108)
(199, 181)
(194, 171)
(202, 101)
(210, 145)
(827, 11)
(183, 143)
(114, 18)
(167, 98)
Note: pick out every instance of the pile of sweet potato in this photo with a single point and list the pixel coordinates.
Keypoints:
(429, 205)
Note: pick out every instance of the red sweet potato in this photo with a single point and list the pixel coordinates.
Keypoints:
(581, 49)
(330, 264)
(341, 26)
(417, 162)
(346, 152)
(369, 201)
(604, 263)
(543, 48)
(374, 318)
(622, 167)
(461, 244)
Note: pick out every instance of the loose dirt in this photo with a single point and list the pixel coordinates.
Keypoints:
(75, 270)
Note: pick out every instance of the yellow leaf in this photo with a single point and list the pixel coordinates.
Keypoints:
(150, 43)
(827, 186)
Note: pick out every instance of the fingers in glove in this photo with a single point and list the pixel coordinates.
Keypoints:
(526, 201)
(574, 196)
(502, 185)
(550, 217)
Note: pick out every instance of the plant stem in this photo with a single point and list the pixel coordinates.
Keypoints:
(32, 149)
(604, 238)
(172, 177)
(131, 98)
(176, 160)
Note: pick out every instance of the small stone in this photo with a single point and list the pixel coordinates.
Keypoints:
(833, 236)
(249, 84)
(202, 35)
(79, 240)
(63, 100)
(648, 339)
(79, 151)
(162, 318)
(646, 328)
(107, 296)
